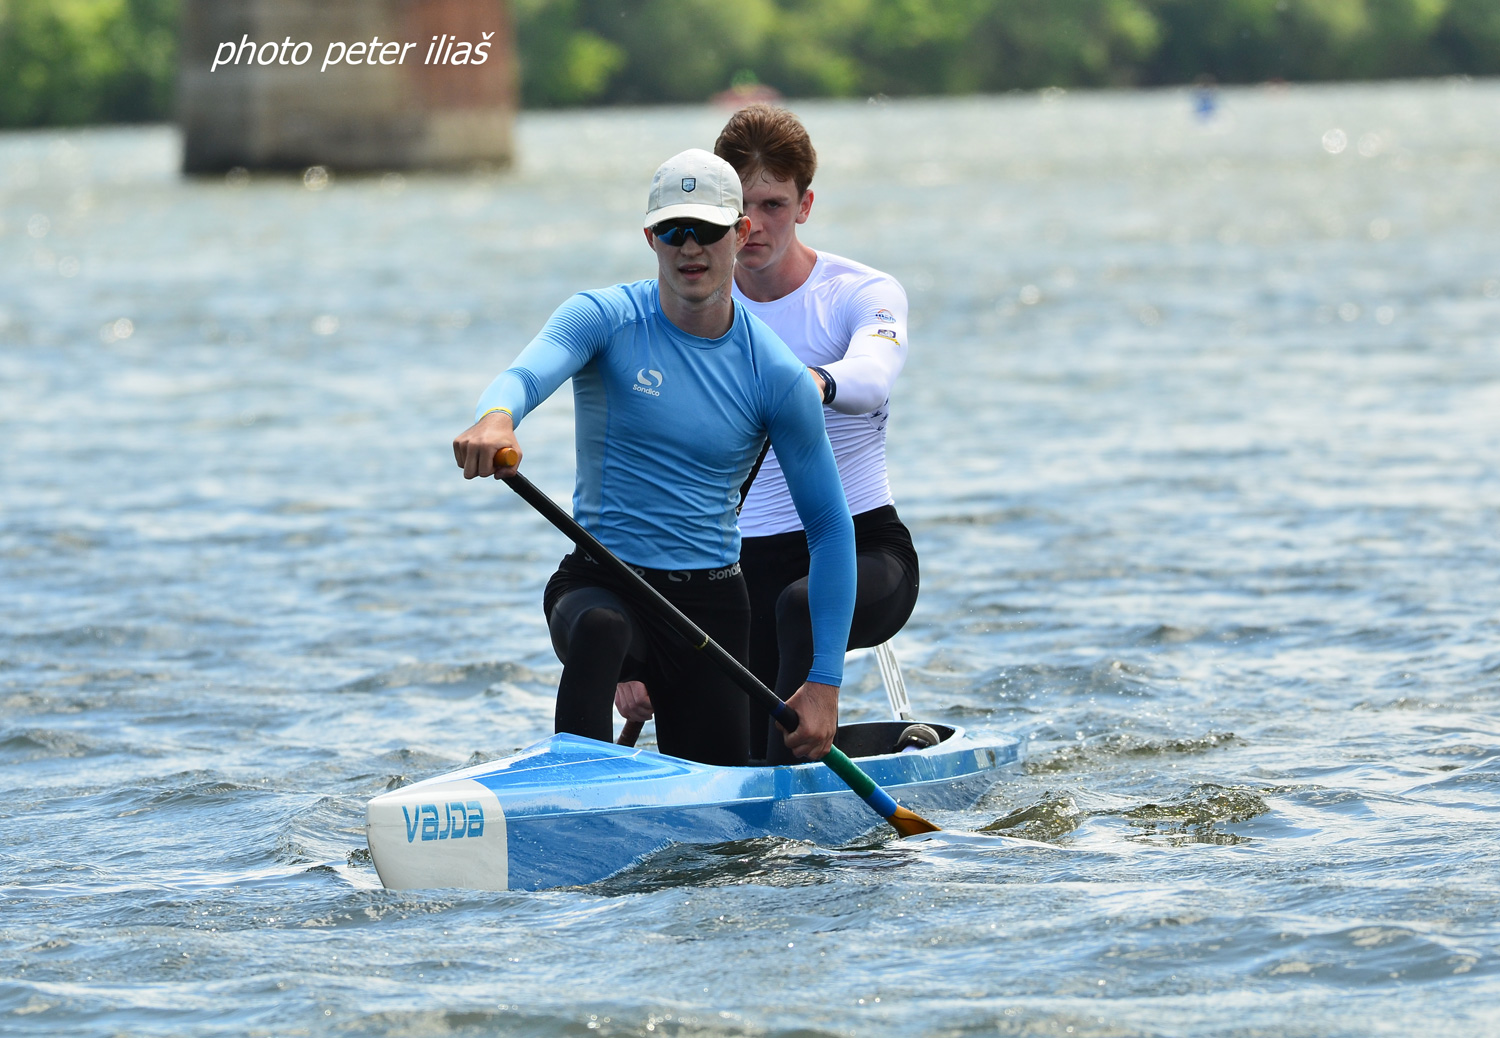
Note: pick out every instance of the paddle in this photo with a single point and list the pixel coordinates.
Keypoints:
(904, 821)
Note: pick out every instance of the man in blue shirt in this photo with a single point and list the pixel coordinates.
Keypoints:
(676, 387)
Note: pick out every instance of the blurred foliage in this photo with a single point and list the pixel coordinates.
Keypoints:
(65, 62)
(80, 61)
(685, 50)
(1250, 40)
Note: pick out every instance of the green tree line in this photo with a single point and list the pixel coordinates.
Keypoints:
(83, 61)
(66, 62)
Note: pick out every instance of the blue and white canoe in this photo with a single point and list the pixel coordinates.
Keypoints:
(571, 810)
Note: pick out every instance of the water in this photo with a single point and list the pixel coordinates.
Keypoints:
(1198, 444)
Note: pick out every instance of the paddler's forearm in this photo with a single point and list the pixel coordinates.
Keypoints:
(831, 578)
(867, 371)
(532, 377)
(508, 393)
(812, 479)
(565, 344)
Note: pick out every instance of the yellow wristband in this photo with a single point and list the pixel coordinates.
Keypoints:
(502, 410)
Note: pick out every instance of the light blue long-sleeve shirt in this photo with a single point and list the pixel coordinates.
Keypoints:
(667, 427)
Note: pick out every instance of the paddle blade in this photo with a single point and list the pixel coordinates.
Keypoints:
(909, 823)
(905, 822)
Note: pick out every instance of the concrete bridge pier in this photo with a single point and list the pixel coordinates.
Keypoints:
(349, 84)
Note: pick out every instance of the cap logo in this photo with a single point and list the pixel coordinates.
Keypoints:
(688, 183)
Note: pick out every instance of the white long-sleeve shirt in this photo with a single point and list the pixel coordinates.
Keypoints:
(850, 320)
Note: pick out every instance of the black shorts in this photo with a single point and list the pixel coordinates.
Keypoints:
(701, 714)
(780, 625)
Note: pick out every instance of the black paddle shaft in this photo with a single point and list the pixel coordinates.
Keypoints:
(691, 632)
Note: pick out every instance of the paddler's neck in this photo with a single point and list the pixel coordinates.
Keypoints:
(781, 277)
(708, 318)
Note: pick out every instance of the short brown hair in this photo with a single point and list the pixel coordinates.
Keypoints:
(762, 137)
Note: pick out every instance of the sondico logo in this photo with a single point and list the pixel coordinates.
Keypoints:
(648, 380)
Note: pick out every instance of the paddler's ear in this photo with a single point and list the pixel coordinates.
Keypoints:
(741, 232)
(650, 241)
(804, 206)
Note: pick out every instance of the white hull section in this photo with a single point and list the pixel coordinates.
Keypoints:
(443, 834)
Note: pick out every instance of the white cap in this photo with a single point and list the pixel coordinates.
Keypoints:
(695, 185)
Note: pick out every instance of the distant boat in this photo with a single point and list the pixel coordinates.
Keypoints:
(746, 90)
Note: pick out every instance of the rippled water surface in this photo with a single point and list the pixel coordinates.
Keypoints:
(1198, 443)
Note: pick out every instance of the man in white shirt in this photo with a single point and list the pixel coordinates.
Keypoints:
(847, 322)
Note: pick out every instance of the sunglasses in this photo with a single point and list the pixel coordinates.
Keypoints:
(675, 232)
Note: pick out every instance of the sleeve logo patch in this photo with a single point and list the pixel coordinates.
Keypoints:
(889, 334)
(885, 315)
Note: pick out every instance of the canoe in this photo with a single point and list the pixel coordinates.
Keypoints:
(569, 810)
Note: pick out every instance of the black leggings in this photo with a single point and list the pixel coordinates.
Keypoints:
(781, 648)
(601, 638)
